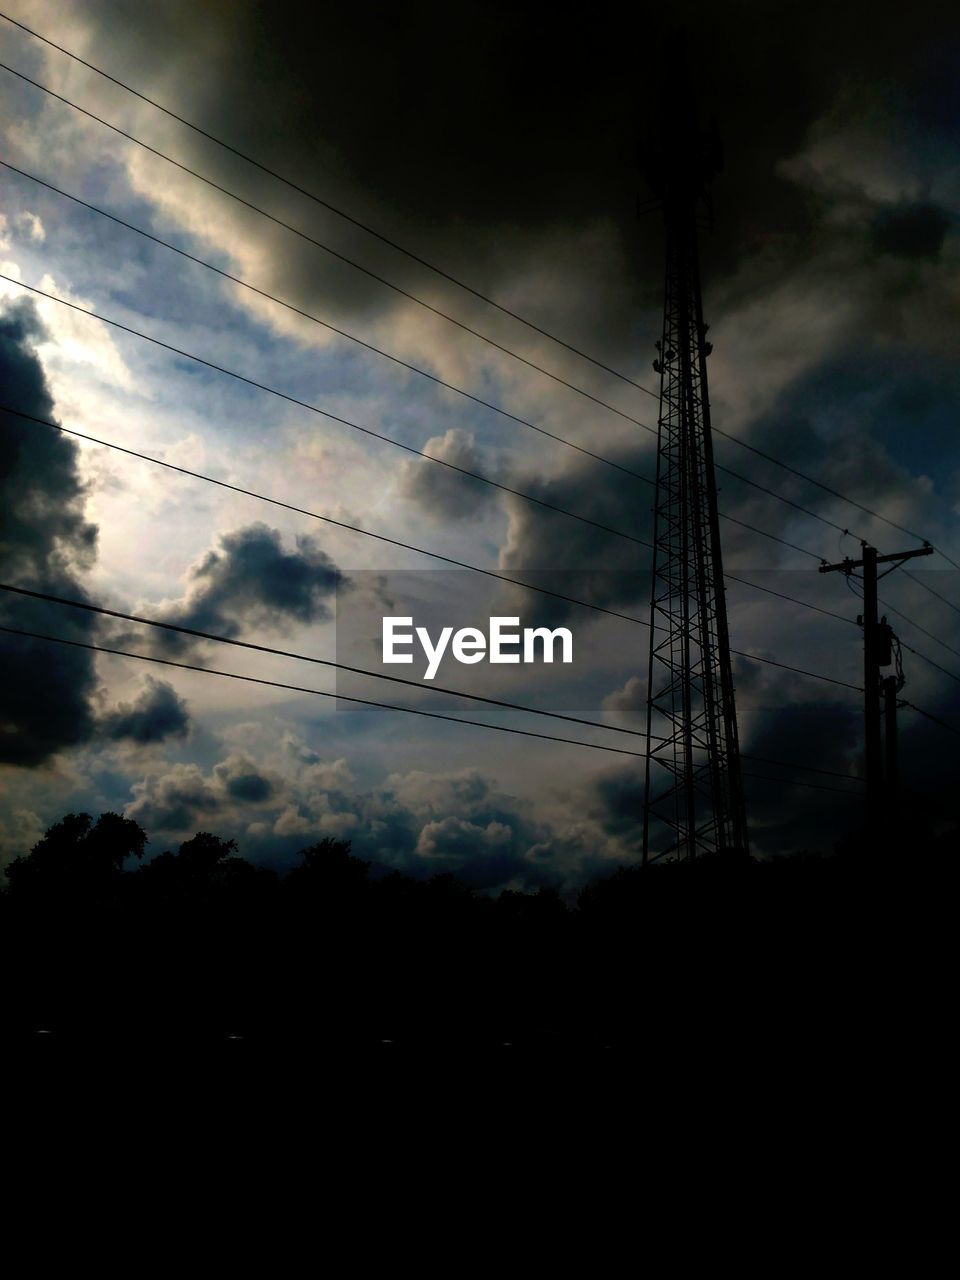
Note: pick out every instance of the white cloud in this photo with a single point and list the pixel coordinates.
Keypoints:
(19, 832)
(75, 339)
(30, 226)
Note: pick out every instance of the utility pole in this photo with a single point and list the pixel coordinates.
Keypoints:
(693, 794)
(876, 654)
(891, 690)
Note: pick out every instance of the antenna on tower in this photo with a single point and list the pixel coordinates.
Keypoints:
(694, 802)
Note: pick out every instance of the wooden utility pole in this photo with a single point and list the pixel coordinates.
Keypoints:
(890, 694)
(876, 654)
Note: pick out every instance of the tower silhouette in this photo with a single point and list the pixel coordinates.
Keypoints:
(694, 801)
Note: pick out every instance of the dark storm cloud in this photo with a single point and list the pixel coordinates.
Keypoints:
(453, 127)
(782, 818)
(473, 132)
(250, 580)
(41, 520)
(915, 231)
(242, 780)
(785, 818)
(442, 492)
(574, 558)
(882, 422)
(157, 714)
(249, 787)
(44, 542)
(617, 803)
(609, 498)
(825, 732)
(777, 726)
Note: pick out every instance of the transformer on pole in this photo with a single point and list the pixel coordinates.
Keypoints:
(694, 802)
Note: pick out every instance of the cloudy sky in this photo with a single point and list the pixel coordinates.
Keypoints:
(502, 147)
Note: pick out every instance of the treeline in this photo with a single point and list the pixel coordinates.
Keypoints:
(202, 943)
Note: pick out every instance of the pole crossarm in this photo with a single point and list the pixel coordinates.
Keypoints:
(847, 565)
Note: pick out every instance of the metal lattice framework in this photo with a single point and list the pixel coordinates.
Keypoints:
(694, 793)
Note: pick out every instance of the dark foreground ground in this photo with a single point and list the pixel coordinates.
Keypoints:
(199, 1041)
(202, 972)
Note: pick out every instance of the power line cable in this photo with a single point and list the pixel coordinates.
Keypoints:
(417, 711)
(926, 586)
(322, 693)
(950, 561)
(852, 580)
(326, 204)
(780, 595)
(923, 630)
(197, 634)
(372, 231)
(930, 716)
(396, 542)
(194, 633)
(303, 404)
(404, 364)
(784, 542)
(819, 484)
(491, 302)
(795, 782)
(443, 315)
(325, 413)
(306, 315)
(319, 244)
(807, 768)
(930, 662)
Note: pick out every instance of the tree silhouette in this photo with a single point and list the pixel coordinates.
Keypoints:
(77, 857)
(200, 941)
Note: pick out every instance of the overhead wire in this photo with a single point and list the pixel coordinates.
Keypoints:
(460, 324)
(319, 244)
(923, 630)
(307, 315)
(926, 587)
(930, 716)
(930, 662)
(331, 207)
(407, 252)
(235, 642)
(785, 466)
(322, 693)
(368, 431)
(326, 413)
(369, 702)
(387, 355)
(768, 457)
(407, 546)
(854, 585)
